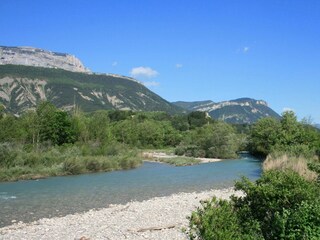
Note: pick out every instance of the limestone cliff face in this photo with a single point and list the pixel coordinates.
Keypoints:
(36, 57)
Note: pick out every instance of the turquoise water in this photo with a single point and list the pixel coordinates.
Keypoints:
(57, 196)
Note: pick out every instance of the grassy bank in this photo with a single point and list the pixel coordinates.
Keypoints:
(21, 163)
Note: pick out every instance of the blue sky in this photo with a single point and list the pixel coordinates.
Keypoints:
(185, 50)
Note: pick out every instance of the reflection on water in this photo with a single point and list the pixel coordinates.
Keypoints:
(58, 196)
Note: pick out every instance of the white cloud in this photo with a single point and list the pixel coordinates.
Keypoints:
(143, 72)
(287, 109)
(179, 65)
(115, 63)
(151, 84)
(245, 49)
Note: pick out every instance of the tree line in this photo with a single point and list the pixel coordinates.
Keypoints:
(30, 140)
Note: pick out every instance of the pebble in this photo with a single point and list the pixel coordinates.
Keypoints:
(156, 218)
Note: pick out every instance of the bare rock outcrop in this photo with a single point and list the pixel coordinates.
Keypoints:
(36, 57)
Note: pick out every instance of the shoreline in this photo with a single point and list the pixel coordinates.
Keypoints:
(157, 156)
(156, 218)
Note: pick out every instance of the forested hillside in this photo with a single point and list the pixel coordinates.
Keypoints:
(24, 87)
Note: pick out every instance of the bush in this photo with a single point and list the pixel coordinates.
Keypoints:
(7, 155)
(275, 196)
(279, 205)
(179, 150)
(210, 220)
(73, 166)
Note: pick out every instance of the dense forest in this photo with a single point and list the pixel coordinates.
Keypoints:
(48, 141)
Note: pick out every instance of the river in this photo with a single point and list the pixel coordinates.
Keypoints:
(57, 196)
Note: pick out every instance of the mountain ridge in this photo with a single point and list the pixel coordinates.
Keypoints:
(238, 111)
(29, 75)
(23, 87)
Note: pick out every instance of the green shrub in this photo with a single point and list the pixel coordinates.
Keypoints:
(273, 196)
(93, 165)
(74, 166)
(7, 155)
(216, 220)
(279, 205)
(180, 150)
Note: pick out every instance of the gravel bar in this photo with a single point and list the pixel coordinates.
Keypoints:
(156, 218)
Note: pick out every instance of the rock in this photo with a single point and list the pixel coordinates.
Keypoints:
(36, 57)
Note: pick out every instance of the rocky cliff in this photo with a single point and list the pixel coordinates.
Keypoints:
(36, 57)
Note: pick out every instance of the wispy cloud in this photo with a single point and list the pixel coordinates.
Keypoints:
(115, 63)
(151, 84)
(245, 49)
(143, 72)
(179, 65)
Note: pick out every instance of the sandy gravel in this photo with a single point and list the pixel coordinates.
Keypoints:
(159, 155)
(157, 218)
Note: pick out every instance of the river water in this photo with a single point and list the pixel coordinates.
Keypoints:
(57, 196)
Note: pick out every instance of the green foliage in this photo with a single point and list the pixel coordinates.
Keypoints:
(49, 137)
(287, 135)
(215, 220)
(198, 119)
(279, 205)
(53, 125)
(7, 155)
(216, 140)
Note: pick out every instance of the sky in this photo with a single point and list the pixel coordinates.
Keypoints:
(185, 50)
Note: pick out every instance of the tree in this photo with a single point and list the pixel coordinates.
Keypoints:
(198, 119)
(287, 135)
(264, 136)
(54, 125)
(99, 127)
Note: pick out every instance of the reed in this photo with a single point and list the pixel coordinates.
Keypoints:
(283, 162)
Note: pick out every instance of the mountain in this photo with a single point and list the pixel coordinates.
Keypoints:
(238, 111)
(36, 57)
(23, 87)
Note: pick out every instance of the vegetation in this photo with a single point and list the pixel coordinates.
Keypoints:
(293, 163)
(64, 88)
(180, 161)
(287, 135)
(280, 205)
(284, 203)
(50, 142)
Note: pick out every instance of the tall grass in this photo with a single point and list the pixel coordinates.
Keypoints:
(278, 161)
(20, 162)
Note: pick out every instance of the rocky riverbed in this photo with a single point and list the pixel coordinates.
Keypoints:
(157, 218)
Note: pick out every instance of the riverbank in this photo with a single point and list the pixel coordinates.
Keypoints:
(157, 218)
(176, 160)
